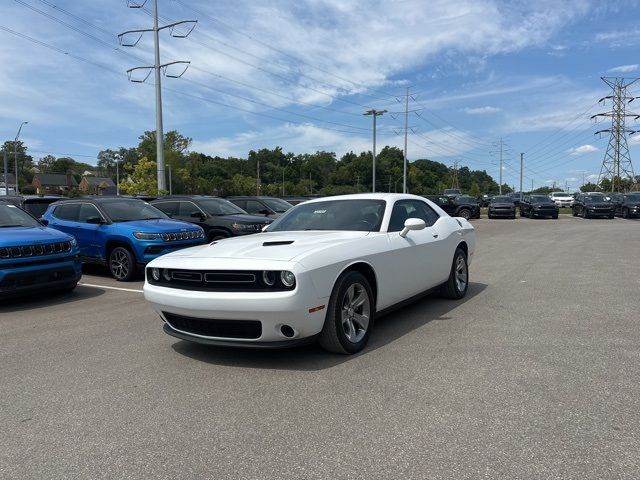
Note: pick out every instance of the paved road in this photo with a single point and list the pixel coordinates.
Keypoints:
(535, 375)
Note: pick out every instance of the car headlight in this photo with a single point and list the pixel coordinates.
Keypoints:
(146, 236)
(73, 243)
(166, 274)
(155, 274)
(269, 278)
(287, 278)
(243, 227)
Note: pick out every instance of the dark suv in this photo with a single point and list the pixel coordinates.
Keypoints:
(538, 206)
(218, 217)
(461, 206)
(268, 206)
(594, 204)
(629, 206)
(501, 206)
(34, 204)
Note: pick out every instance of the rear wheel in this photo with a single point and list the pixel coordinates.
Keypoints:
(465, 213)
(350, 315)
(213, 236)
(555, 217)
(122, 264)
(458, 283)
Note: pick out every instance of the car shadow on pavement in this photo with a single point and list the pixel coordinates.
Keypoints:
(48, 299)
(312, 357)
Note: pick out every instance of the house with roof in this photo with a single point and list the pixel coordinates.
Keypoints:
(11, 183)
(53, 183)
(91, 185)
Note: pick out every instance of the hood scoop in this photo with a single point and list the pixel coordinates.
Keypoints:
(277, 242)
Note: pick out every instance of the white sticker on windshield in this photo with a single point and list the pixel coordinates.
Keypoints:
(12, 206)
(320, 211)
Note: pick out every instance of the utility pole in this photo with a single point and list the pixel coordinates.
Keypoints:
(375, 113)
(158, 68)
(500, 166)
(6, 173)
(15, 154)
(258, 176)
(406, 131)
(532, 185)
(454, 180)
(170, 182)
(117, 159)
(521, 167)
(617, 159)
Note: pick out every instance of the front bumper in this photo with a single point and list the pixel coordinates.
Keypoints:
(271, 309)
(502, 212)
(600, 213)
(51, 276)
(146, 251)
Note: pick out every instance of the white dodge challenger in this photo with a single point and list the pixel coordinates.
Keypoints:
(323, 271)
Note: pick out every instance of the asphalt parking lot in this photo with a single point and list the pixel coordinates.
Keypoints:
(536, 374)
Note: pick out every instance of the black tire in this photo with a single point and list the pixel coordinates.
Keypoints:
(573, 212)
(625, 213)
(216, 235)
(341, 323)
(555, 217)
(531, 214)
(465, 213)
(452, 289)
(122, 264)
(489, 215)
(585, 214)
(611, 217)
(522, 214)
(513, 217)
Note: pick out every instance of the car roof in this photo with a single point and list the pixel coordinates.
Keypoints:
(391, 197)
(186, 197)
(98, 199)
(254, 196)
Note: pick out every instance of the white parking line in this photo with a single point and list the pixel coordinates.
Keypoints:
(110, 288)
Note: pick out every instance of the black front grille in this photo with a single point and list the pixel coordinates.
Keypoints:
(29, 279)
(218, 280)
(210, 327)
(35, 250)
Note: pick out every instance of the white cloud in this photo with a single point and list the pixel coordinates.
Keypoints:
(582, 150)
(481, 110)
(592, 178)
(624, 69)
(620, 38)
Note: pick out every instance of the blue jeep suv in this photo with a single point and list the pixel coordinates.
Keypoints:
(34, 257)
(122, 233)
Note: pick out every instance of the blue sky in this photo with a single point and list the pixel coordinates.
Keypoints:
(299, 74)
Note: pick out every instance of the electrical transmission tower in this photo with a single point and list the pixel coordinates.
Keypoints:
(406, 129)
(617, 159)
(502, 150)
(454, 176)
(158, 68)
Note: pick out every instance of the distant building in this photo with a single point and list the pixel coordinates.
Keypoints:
(97, 185)
(53, 183)
(11, 181)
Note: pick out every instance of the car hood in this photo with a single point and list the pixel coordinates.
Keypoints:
(282, 246)
(501, 204)
(29, 235)
(544, 204)
(157, 226)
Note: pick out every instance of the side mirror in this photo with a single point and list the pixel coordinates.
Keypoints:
(412, 224)
(94, 220)
(197, 215)
(44, 222)
(264, 211)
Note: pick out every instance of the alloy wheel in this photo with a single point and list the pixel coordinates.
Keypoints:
(356, 312)
(462, 274)
(119, 264)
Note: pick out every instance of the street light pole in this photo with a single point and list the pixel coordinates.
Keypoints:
(15, 154)
(117, 158)
(375, 113)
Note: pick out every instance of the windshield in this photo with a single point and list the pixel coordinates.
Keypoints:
(539, 199)
(345, 215)
(219, 207)
(595, 199)
(277, 205)
(130, 210)
(464, 198)
(12, 216)
(633, 198)
(501, 200)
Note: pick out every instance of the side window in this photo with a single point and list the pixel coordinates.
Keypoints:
(240, 203)
(187, 208)
(254, 207)
(170, 208)
(405, 209)
(87, 211)
(67, 212)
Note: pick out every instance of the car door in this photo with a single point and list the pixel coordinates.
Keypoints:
(421, 258)
(90, 235)
(255, 207)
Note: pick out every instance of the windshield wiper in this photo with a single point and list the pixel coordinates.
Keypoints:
(11, 226)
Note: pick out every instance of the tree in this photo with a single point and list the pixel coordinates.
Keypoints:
(474, 191)
(589, 187)
(142, 178)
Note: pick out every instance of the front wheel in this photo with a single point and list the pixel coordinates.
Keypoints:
(456, 287)
(350, 315)
(122, 264)
(625, 213)
(585, 214)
